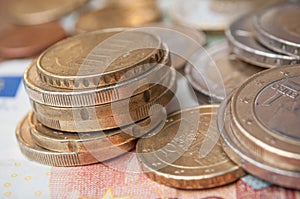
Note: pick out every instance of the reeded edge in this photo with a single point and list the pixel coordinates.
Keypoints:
(246, 160)
(256, 57)
(241, 127)
(67, 159)
(275, 43)
(138, 114)
(82, 78)
(192, 182)
(90, 97)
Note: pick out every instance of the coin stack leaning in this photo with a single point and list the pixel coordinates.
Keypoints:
(269, 38)
(93, 95)
(260, 126)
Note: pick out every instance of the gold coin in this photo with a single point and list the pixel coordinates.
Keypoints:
(218, 71)
(188, 154)
(248, 159)
(106, 116)
(43, 93)
(265, 114)
(99, 58)
(32, 12)
(38, 154)
(130, 15)
(84, 142)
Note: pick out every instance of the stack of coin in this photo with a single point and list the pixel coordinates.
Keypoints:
(269, 38)
(260, 126)
(187, 152)
(102, 85)
(129, 13)
(32, 25)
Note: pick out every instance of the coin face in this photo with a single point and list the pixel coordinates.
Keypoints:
(27, 41)
(243, 43)
(265, 112)
(130, 15)
(278, 28)
(193, 159)
(218, 71)
(109, 55)
(182, 41)
(32, 12)
(246, 158)
(46, 94)
(44, 156)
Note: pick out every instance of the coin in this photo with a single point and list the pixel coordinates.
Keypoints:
(218, 71)
(278, 28)
(106, 57)
(130, 15)
(83, 142)
(32, 12)
(106, 116)
(204, 15)
(48, 95)
(182, 40)
(246, 159)
(28, 41)
(63, 159)
(245, 46)
(175, 158)
(265, 111)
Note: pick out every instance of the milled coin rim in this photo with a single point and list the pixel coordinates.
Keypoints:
(246, 160)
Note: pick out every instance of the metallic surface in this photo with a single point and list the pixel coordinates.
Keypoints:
(182, 40)
(28, 41)
(115, 15)
(246, 159)
(265, 112)
(99, 58)
(218, 71)
(32, 12)
(38, 154)
(83, 142)
(192, 170)
(106, 116)
(48, 95)
(244, 45)
(278, 28)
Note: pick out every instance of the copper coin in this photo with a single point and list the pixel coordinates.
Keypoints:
(106, 116)
(187, 154)
(99, 58)
(32, 12)
(27, 41)
(131, 15)
(33, 152)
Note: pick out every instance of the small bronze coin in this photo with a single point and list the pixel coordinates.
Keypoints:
(32, 12)
(63, 159)
(28, 41)
(131, 15)
(187, 152)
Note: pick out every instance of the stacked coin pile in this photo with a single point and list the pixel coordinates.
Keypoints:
(269, 38)
(260, 126)
(101, 86)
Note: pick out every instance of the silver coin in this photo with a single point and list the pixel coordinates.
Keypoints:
(218, 71)
(248, 161)
(246, 47)
(278, 28)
